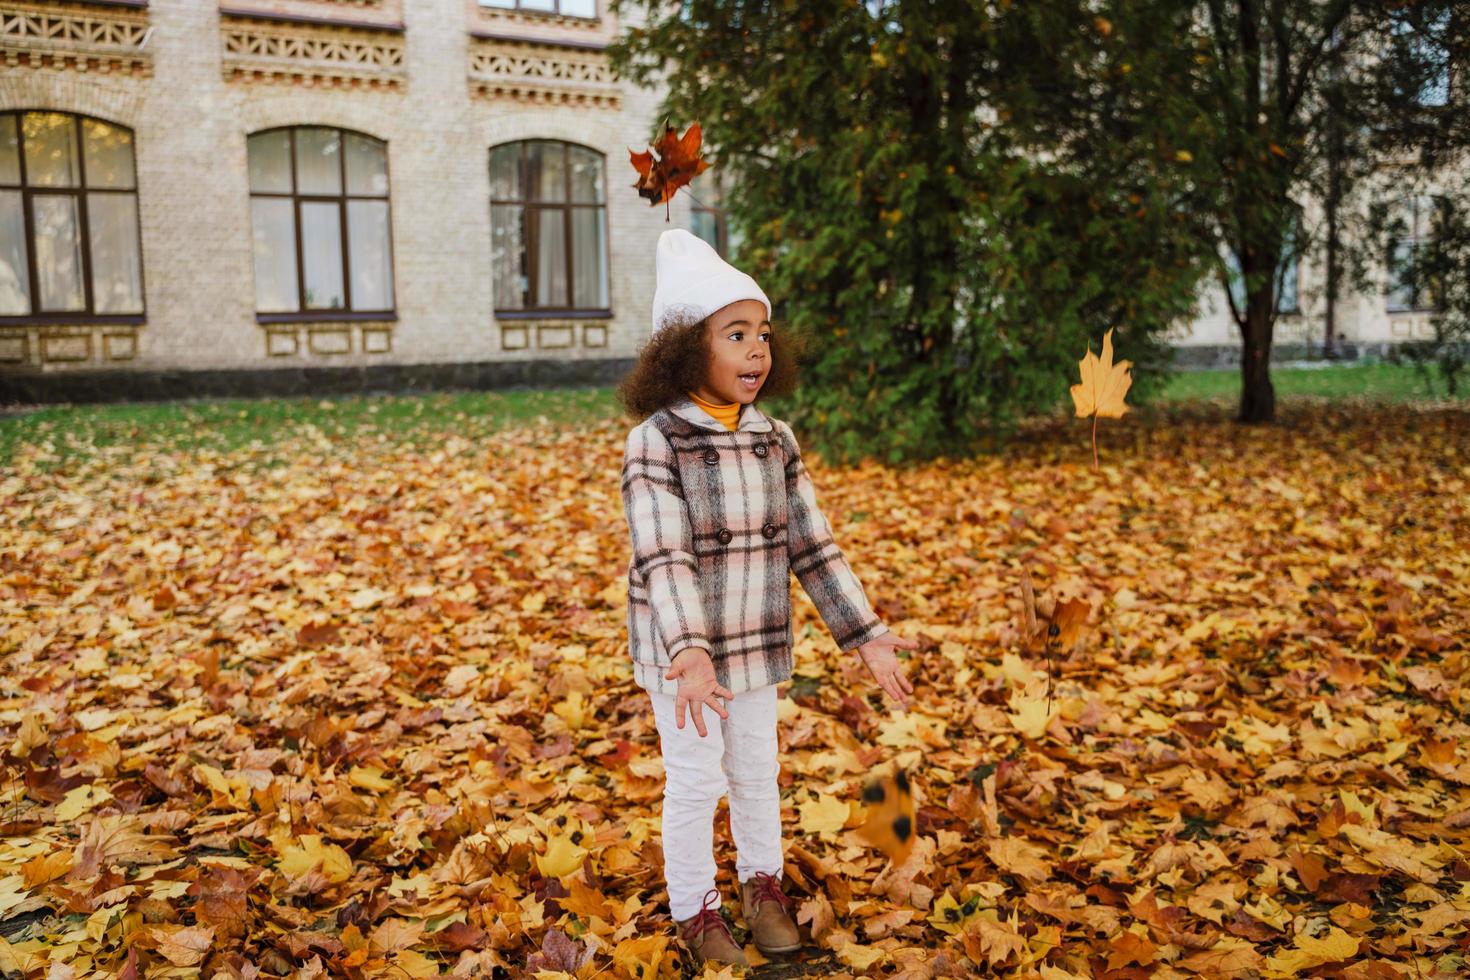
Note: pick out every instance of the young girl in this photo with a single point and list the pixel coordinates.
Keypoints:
(720, 512)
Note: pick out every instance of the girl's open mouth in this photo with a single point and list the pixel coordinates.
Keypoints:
(751, 381)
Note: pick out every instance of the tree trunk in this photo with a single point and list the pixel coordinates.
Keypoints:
(1257, 395)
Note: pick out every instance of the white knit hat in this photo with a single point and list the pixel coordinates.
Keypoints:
(693, 281)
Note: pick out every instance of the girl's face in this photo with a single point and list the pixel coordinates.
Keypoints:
(740, 353)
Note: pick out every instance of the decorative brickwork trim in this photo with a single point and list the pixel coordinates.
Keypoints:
(542, 72)
(306, 54)
(75, 36)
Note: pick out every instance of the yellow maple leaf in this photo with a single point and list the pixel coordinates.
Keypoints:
(641, 957)
(1103, 386)
(824, 815)
(81, 799)
(858, 956)
(951, 916)
(1103, 383)
(563, 856)
(990, 941)
(369, 777)
(1334, 947)
(1030, 715)
(313, 855)
(1019, 857)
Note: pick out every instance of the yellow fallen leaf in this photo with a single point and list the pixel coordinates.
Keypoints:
(407, 963)
(948, 915)
(641, 957)
(180, 945)
(313, 855)
(1019, 857)
(824, 815)
(1336, 946)
(562, 857)
(991, 942)
(1031, 715)
(369, 777)
(81, 799)
(47, 867)
(858, 956)
(573, 710)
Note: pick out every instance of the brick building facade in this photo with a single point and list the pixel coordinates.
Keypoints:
(413, 95)
(311, 196)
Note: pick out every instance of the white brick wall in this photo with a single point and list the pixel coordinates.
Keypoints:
(190, 126)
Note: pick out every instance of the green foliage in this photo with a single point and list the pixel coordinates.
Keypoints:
(946, 277)
(951, 200)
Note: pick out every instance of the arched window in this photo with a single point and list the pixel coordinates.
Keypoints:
(319, 210)
(548, 229)
(69, 243)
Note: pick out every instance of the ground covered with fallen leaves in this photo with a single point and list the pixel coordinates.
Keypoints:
(368, 714)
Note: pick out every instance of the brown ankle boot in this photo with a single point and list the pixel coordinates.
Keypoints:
(707, 935)
(767, 913)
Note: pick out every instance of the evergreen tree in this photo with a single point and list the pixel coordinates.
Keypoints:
(952, 200)
(945, 278)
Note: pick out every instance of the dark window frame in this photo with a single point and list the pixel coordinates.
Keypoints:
(88, 314)
(527, 311)
(303, 313)
(596, 10)
(722, 232)
(1422, 210)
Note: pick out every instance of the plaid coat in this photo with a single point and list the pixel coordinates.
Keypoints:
(718, 522)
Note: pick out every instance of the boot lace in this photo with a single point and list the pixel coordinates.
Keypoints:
(768, 889)
(707, 918)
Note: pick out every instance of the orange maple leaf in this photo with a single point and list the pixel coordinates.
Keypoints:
(889, 822)
(1048, 625)
(678, 163)
(1102, 389)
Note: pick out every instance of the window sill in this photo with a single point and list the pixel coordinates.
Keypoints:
(543, 15)
(282, 17)
(74, 320)
(553, 314)
(1401, 310)
(324, 316)
(545, 42)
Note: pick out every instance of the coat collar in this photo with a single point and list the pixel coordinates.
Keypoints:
(751, 418)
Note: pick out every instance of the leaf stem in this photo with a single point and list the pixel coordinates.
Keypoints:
(1094, 442)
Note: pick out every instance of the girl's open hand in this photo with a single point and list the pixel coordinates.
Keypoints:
(695, 672)
(879, 657)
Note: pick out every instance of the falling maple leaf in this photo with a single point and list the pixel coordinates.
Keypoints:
(1102, 389)
(1048, 626)
(889, 821)
(679, 161)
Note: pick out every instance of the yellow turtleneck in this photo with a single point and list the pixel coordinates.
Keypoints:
(726, 415)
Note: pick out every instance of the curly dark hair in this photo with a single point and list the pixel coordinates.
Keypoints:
(676, 359)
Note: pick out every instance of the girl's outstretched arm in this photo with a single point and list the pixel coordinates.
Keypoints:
(817, 561)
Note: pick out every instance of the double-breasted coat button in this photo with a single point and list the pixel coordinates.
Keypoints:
(760, 450)
(769, 530)
(725, 535)
(712, 456)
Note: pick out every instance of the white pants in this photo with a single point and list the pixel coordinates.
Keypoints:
(739, 755)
